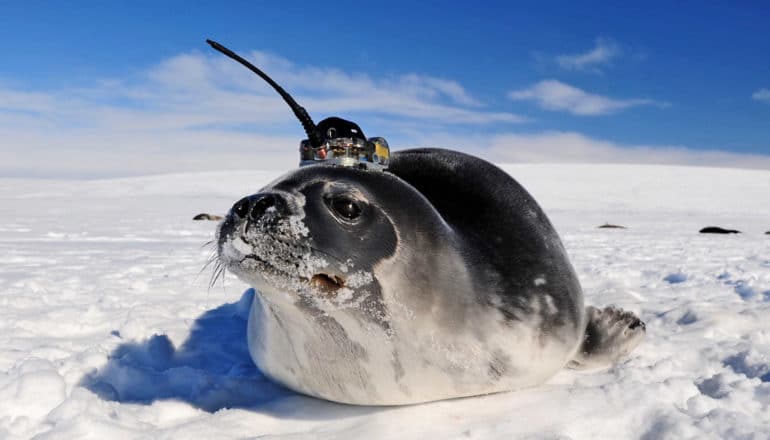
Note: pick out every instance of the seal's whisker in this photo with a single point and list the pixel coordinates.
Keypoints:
(219, 272)
(214, 257)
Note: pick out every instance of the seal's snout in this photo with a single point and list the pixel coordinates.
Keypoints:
(242, 207)
(254, 207)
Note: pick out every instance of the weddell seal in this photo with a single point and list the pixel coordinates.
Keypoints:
(428, 275)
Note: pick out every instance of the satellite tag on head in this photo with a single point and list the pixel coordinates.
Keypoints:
(334, 140)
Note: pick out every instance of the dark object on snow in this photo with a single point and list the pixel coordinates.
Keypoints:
(205, 216)
(611, 226)
(718, 230)
(767, 233)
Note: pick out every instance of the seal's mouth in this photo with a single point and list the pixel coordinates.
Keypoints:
(325, 283)
(328, 284)
(261, 254)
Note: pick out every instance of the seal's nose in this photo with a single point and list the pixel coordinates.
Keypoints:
(242, 207)
(254, 207)
(260, 205)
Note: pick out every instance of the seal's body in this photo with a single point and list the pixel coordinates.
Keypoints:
(439, 278)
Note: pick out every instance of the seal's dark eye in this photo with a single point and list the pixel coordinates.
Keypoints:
(345, 208)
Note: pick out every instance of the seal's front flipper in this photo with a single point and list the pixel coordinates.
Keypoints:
(611, 333)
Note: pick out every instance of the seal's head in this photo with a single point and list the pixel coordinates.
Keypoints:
(312, 239)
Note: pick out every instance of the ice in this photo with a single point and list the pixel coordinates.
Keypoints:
(108, 328)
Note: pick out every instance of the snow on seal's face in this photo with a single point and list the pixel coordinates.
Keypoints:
(308, 244)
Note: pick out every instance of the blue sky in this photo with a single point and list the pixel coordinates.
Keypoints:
(123, 88)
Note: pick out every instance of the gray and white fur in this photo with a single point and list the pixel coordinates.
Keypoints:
(439, 278)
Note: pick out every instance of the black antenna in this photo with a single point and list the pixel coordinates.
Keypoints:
(299, 111)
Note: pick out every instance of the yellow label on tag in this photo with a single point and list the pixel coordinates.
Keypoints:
(381, 150)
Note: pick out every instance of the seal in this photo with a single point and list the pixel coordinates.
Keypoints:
(439, 278)
(205, 216)
(395, 279)
(718, 230)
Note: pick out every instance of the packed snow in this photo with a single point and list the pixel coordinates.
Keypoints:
(108, 328)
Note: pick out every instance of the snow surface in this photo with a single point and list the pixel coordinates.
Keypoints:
(108, 329)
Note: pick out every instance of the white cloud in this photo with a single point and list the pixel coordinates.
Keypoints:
(11, 100)
(602, 54)
(199, 112)
(761, 95)
(193, 90)
(324, 91)
(567, 147)
(196, 111)
(572, 147)
(556, 96)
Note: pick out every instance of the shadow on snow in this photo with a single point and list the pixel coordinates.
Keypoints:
(211, 370)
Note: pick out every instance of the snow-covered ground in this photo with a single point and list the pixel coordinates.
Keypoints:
(108, 328)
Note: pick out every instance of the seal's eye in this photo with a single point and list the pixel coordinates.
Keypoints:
(345, 208)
